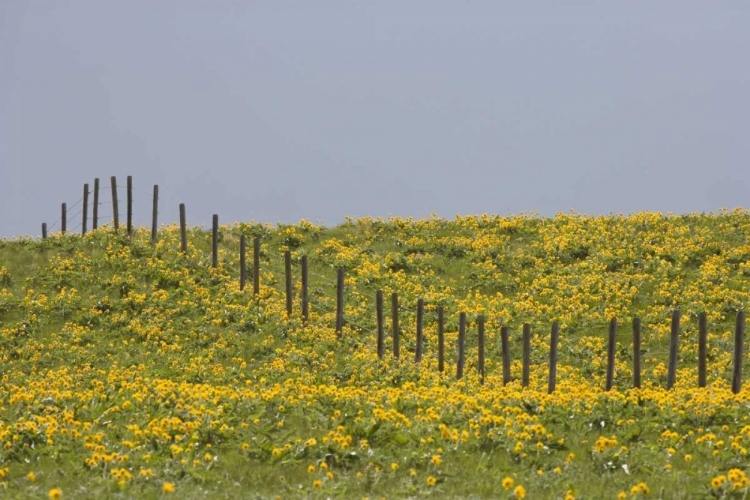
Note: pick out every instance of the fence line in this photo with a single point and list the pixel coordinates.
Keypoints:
(270, 258)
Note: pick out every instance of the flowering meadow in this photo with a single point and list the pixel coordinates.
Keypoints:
(136, 371)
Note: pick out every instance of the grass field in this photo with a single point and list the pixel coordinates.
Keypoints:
(132, 371)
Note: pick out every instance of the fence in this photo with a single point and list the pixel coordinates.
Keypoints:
(395, 333)
(96, 218)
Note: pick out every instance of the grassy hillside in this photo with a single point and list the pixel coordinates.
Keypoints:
(132, 371)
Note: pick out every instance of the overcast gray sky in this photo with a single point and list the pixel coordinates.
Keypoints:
(277, 111)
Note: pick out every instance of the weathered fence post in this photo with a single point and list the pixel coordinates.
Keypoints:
(256, 265)
(394, 325)
(526, 354)
(183, 229)
(553, 358)
(215, 240)
(673, 345)
(154, 214)
(95, 207)
(85, 210)
(480, 348)
(702, 348)
(340, 302)
(129, 206)
(44, 230)
(63, 218)
(461, 345)
(739, 335)
(505, 353)
(637, 353)
(243, 261)
(420, 321)
(441, 338)
(288, 281)
(115, 208)
(303, 295)
(611, 353)
(379, 316)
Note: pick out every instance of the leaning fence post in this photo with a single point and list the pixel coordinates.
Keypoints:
(739, 335)
(256, 265)
(461, 345)
(394, 325)
(183, 229)
(115, 208)
(611, 353)
(340, 302)
(95, 208)
(526, 354)
(420, 321)
(441, 338)
(154, 214)
(215, 240)
(702, 348)
(243, 262)
(637, 352)
(129, 206)
(303, 292)
(85, 210)
(63, 218)
(553, 358)
(505, 353)
(288, 281)
(379, 316)
(673, 345)
(480, 348)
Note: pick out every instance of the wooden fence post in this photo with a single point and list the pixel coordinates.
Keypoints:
(379, 316)
(85, 210)
(288, 281)
(340, 302)
(553, 358)
(611, 353)
(637, 353)
(44, 230)
(480, 348)
(461, 345)
(526, 354)
(154, 214)
(505, 353)
(64, 218)
(243, 261)
(441, 338)
(420, 321)
(129, 206)
(95, 208)
(303, 296)
(394, 325)
(183, 229)
(256, 265)
(215, 240)
(739, 336)
(115, 208)
(673, 346)
(702, 348)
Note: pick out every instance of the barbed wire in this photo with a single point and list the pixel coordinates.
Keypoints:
(73, 217)
(75, 204)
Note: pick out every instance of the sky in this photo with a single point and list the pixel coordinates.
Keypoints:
(278, 111)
